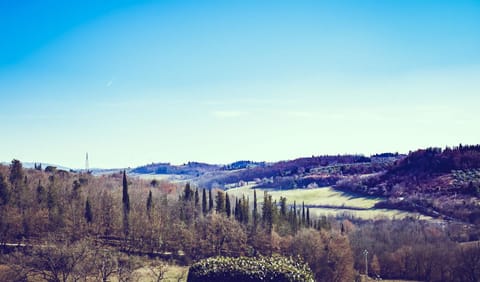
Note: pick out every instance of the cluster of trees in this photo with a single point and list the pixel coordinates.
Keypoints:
(414, 250)
(433, 181)
(84, 214)
(139, 217)
(296, 167)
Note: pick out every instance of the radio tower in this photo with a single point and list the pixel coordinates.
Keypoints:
(87, 168)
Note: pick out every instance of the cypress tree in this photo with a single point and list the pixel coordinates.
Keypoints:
(220, 202)
(237, 210)
(255, 210)
(4, 191)
(126, 204)
(283, 207)
(227, 205)
(88, 211)
(204, 202)
(267, 212)
(303, 214)
(149, 203)
(308, 217)
(210, 200)
(188, 192)
(197, 198)
(246, 209)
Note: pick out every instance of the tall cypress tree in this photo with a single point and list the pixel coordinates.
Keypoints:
(149, 203)
(303, 213)
(88, 211)
(220, 202)
(188, 192)
(210, 200)
(204, 202)
(255, 210)
(283, 207)
(197, 198)
(4, 191)
(308, 218)
(126, 204)
(267, 212)
(227, 205)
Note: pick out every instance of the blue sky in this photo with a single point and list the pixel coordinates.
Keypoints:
(134, 82)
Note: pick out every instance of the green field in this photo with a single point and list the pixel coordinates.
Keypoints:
(337, 202)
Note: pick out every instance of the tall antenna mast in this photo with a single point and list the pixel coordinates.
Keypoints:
(87, 168)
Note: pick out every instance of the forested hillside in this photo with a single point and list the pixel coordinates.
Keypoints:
(433, 181)
(95, 221)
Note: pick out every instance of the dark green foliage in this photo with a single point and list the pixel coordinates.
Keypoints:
(16, 179)
(228, 269)
(283, 207)
(255, 210)
(149, 203)
(267, 212)
(303, 213)
(125, 197)
(4, 191)
(16, 173)
(88, 212)
(126, 205)
(210, 200)
(188, 193)
(197, 198)
(228, 208)
(309, 223)
(220, 202)
(204, 202)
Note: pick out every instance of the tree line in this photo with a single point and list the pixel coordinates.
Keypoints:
(67, 216)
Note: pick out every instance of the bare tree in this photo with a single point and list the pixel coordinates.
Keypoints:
(157, 270)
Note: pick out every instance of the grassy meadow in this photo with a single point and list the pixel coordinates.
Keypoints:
(330, 201)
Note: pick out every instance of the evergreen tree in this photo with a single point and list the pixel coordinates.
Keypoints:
(126, 204)
(237, 210)
(308, 218)
(88, 211)
(4, 191)
(267, 212)
(220, 202)
(210, 200)
(16, 179)
(197, 198)
(188, 193)
(294, 221)
(41, 194)
(283, 208)
(245, 209)
(228, 209)
(303, 214)
(204, 202)
(149, 203)
(255, 210)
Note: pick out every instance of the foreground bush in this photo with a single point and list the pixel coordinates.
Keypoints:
(247, 269)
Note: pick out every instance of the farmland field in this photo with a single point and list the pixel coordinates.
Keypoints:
(328, 201)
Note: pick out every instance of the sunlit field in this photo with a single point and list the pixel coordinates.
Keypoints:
(328, 201)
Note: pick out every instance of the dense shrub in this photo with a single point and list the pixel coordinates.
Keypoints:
(247, 269)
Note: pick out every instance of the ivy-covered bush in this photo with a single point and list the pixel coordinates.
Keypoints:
(250, 269)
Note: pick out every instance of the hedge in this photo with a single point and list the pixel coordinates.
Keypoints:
(250, 269)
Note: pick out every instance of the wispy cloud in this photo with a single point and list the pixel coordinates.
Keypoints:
(228, 114)
(109, 83)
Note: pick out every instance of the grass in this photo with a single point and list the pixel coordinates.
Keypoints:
(316, 196)
(174, 272)
(338, 202)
